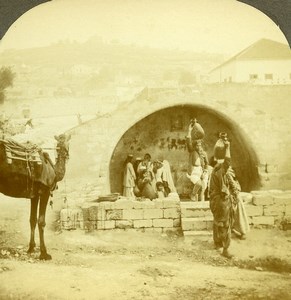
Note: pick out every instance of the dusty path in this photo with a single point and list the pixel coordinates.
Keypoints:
(136, 265)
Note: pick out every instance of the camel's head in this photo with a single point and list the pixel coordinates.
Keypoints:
(63, 146)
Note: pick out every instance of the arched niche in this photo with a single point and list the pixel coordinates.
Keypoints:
(163, 133)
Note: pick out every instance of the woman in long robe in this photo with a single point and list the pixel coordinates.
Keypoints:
(129, 177)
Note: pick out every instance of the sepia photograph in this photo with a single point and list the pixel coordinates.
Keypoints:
(144, 151)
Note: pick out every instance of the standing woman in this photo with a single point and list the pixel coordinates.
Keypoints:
(129, 177)
(198, 162)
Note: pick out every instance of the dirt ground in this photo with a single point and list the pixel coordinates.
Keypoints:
(138, 265)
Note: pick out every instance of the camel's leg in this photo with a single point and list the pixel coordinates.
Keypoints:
(41, 224)
(33, 221)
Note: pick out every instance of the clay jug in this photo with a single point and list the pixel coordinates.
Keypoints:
(197, 132)
(219, 149)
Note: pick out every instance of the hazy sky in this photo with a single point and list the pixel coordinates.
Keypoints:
(224, 26)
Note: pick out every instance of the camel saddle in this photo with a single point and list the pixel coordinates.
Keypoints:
(26, 160)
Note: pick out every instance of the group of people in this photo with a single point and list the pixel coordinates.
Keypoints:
(223, 188)
(217, 180)
(144, 178)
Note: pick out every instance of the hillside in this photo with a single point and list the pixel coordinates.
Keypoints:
(94, 52)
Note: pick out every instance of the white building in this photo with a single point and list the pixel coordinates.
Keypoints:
(264, 62)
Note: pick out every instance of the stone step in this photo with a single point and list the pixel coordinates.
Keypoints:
(198, 233)
(195, 204)
(197, 224)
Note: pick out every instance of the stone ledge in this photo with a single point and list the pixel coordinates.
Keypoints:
(198, 233)
(195, 204)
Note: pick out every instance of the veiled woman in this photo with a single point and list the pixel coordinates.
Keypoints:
(129, 177)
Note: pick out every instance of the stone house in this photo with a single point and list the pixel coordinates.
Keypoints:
(265, 62)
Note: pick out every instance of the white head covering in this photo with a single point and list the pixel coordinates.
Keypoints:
(167, 176)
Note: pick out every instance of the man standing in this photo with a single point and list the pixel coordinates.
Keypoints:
(222, 201)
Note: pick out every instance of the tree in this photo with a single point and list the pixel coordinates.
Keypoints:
(6, 80)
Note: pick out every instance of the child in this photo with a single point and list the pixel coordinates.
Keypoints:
(160, 190)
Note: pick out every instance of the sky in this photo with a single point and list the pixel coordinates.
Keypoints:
(214, 26)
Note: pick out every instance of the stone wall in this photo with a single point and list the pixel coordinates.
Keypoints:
(259, 114)
(158, 215)
(264, 208)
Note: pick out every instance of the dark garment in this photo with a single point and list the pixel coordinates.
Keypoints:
(221, 205)
(145, 186)
(148, 191)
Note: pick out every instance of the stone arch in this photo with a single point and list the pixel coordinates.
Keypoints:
(162, 134)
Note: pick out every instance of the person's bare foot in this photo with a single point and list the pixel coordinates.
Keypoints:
(243, 237)
(217, 246)
(226, 254)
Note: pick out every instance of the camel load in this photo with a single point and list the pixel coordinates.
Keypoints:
(21, 165)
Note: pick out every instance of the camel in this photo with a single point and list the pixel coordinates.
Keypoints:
(27, 172)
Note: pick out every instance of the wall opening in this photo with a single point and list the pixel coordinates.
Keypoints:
(163, 134)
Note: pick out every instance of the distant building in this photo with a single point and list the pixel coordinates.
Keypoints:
(264, 62)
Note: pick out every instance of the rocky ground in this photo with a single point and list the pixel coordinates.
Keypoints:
(138, 265)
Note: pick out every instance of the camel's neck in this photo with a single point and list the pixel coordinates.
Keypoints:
(60, 168)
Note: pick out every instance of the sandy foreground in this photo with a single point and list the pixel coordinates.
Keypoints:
(138, 265)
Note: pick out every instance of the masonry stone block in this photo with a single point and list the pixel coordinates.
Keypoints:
(163, 223)
(123, 204)
(106, 224)
(275, 192)
(146, 229)
(177, 222)
(208, 213)
(209, 225)
(171, 213)
(101, 215)
(102, 179)
(137, 204)
(158, 203)
(133, 214)
(142, 223)
(153, 213)
(195, 233)
(143, 204)
(274, 210)
(282, 199)
(90, 225)
(71, 218)
(123, 224)
(171, 230)
(263, 220)
(157, 229)
(85, 211)
(259, 193)
(246, 197)
(170, 203)
(93, 213)
(253, 210)
(81, 225)
(200, 204)
(192, 212)
(79, 214)
(106, 205)
(263, 199)
(114, 214)
(194, 224)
